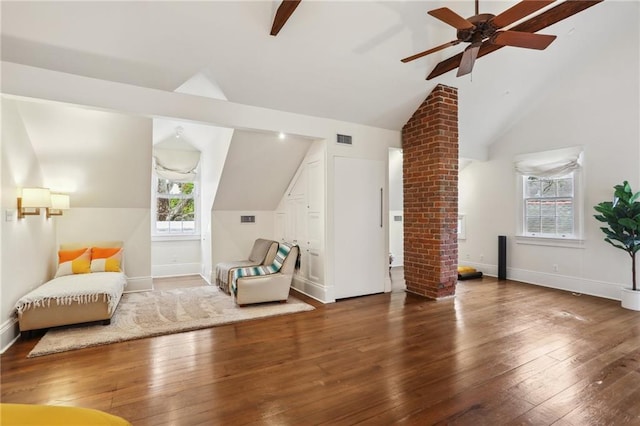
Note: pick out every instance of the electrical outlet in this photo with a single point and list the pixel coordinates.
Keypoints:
(10, 215)
(468, 256)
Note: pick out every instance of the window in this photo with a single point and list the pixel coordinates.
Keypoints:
(175, 207)
(548, 206)
(550, 194)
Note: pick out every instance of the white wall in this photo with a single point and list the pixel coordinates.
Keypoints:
(233, 240)
(213, 156)
(130, 225)
(28, 245)
(598, 108)
(176, 257)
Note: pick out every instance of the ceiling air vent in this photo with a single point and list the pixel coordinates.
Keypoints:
(247, 219)
(345, 139)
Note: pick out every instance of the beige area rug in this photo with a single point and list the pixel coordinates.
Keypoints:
(155, 313)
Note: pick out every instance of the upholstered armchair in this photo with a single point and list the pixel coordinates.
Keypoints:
(262, 253)
(250, 287)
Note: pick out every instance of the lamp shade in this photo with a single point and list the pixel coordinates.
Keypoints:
(36, 197)
(60, 201)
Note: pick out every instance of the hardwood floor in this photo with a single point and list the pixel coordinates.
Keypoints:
(497, 353)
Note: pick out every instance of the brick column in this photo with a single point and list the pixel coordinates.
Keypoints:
(430, 180)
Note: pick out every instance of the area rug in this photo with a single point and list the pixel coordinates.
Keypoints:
(155, 313)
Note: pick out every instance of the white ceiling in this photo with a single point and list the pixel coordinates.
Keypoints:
(80, 151)
(334, 59)
(257, 170)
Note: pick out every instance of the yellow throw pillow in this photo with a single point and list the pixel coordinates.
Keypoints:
(465, 269)
(106, 259)
(74, 262)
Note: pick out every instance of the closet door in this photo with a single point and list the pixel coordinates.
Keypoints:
(359, 254)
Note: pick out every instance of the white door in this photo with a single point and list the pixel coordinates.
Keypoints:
(359, 254)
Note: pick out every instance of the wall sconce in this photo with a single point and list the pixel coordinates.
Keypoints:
(59, 202)
(32, 200)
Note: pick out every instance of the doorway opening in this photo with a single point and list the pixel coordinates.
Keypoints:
(396, 221)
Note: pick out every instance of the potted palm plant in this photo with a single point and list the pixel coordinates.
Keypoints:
(622, 217)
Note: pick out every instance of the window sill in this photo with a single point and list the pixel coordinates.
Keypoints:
(550, 242)
(192, 237)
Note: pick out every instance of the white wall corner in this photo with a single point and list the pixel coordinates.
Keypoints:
(9, 333)
(208, 278)
(138, 284)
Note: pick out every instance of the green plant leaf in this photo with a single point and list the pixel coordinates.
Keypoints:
(629, 223)
(621, 247)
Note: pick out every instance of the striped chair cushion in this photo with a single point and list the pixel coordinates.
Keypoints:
(250, 271)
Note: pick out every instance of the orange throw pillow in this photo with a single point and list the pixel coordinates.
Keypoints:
(74, 262)
(106, 259)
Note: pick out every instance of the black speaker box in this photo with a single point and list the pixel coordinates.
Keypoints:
(502, 257)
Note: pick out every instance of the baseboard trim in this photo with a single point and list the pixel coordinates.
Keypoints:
(205, 279)
(578, 285)
(9, 333)
(311, 289)
(562, 282)
(176, 269)
(135, 284)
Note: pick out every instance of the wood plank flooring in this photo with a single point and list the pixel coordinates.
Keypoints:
(498, 353)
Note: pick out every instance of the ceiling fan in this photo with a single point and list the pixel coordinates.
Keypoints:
(485, 34)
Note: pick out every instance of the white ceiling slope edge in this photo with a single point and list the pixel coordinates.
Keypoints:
(338, 60)
(257, 170)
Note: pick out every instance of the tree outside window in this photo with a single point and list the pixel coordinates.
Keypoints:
(175, 207)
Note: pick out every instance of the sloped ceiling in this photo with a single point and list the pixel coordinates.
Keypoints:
(83, 152)
(334, 59)
(257, 170)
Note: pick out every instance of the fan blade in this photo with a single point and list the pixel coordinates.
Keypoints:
(536, 23)
(520, 39)
(519, 11)
(448, 16)
(468, 59)
(283, 13)
(430, 51)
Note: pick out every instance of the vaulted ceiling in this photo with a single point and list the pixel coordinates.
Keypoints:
(334, 59)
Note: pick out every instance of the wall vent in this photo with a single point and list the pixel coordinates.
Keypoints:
(247, 219)
(344, 139)
(397, 218)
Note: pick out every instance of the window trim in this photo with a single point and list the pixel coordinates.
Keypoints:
(156, 236)
(574, 240)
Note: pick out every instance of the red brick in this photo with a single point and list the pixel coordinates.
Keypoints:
(430, 169)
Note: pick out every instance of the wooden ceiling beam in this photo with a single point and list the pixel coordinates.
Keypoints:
(283, 13)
